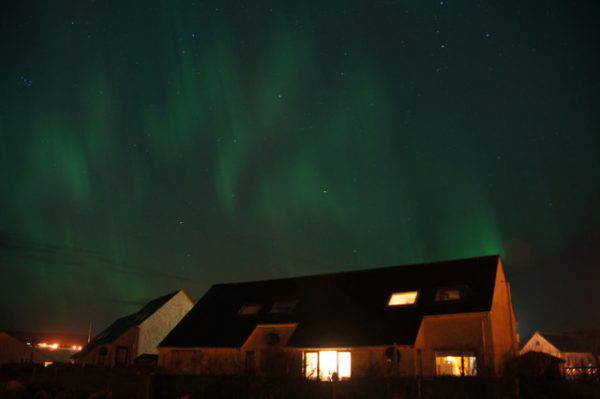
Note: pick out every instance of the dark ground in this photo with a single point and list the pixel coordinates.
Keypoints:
(76, 382)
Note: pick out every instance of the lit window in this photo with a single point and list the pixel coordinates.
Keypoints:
(456, 365)
(449, 294)
(311, 365)
(248, 309)
(324, 364)
(403, 298)
(283, 306)
(327, 364)
(344, 364)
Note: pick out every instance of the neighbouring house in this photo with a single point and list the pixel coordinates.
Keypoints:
(36, 347)
(444, 318)
(137, 335)
(580, 350)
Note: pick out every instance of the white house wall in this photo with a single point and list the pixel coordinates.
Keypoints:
(537, 343)
(156, 327)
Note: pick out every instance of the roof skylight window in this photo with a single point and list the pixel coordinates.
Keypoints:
(403, 298)
(250, 309)
(449, 294)
(283, 306)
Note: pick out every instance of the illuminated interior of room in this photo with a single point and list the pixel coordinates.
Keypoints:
(456, 365)
(403, 298)
(324, 364)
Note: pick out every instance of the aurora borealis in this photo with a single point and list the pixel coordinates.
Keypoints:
(151, 146)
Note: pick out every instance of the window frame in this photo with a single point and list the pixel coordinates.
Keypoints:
(292, 302)
(462, 355)
(462, 289)
(405, 305)
(317, 352)
(250, 305)
(304, 356)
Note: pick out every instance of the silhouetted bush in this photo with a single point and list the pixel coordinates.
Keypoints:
(535, 365)
(74, 382)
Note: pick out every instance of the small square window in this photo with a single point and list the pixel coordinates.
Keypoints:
(403, 298)
(449, 294)
(250, 309)
(283, 306)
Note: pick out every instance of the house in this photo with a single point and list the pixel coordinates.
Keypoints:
(14, 350)
(35, 347)
(445, 318)
(580, 350)
(137, 334)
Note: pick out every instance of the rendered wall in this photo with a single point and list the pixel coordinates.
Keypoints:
(503, 323)
(537, 343)
(156, 327)
(127, 340)
(207, 361)
(373, 362)
(366, 361)
(464, 333)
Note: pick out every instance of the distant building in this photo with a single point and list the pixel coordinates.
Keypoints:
(445, 318)
(35, 347)
(137, 334)
(580, 350)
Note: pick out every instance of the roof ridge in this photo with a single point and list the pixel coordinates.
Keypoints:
(358, 271)
(145, 304)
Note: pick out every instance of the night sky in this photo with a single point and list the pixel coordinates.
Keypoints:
(157, 145)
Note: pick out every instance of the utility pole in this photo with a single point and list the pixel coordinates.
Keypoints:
(89, 332)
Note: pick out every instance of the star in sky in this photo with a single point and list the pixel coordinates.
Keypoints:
(25, 81)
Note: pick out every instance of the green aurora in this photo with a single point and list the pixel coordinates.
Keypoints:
(146, 147)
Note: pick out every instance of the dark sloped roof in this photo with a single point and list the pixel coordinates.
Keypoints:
(123, 324)
(574, 341)
(341, 309)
